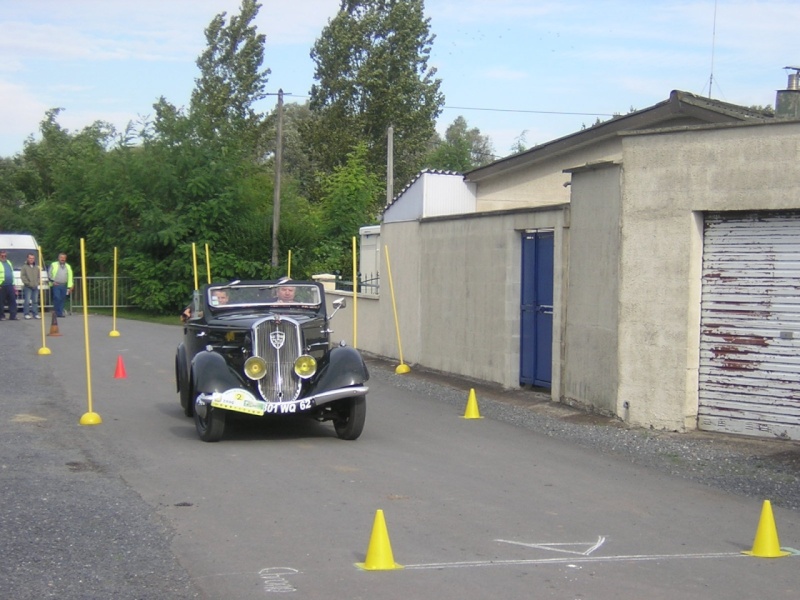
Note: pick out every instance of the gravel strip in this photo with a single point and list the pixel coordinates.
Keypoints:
(753, 467)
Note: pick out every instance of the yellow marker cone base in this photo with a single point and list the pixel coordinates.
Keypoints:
(379, 552)
(402, 369)
(766, 544)
(91, 418)
(113, 333)
(472, 411)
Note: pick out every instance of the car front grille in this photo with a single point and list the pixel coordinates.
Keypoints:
(280, 384)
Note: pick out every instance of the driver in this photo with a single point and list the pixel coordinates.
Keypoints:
(286, 293)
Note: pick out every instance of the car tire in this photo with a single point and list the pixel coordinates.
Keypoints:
(184, 388)
(352, 414)
(209, 422)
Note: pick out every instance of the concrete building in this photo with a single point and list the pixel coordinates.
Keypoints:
(645, 268)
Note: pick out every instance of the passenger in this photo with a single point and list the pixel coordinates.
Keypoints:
(219, 297)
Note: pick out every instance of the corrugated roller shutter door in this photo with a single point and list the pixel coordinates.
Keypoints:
(750, 325)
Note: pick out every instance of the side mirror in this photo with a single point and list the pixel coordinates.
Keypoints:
(337, 304)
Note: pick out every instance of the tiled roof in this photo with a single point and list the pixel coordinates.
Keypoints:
(679, 105)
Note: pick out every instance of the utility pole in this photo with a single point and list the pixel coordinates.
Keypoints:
(276, 202)
(390, 165)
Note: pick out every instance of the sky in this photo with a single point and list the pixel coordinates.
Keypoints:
(526, 71)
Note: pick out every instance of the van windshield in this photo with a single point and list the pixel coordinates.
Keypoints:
(18, 256)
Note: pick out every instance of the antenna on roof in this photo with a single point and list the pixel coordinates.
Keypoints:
(713, 46)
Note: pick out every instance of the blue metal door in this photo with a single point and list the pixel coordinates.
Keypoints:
(536, 345)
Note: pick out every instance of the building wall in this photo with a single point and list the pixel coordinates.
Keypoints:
(670, 179)
(627, 317)
(457, 289)
(591, 348)
(543, 183)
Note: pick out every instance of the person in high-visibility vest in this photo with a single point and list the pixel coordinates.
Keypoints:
(60, 275)
(8, 295)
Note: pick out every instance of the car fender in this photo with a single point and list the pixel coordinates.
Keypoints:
(343, 368)
(211, 373)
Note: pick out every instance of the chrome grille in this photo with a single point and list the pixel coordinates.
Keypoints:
(280, 384)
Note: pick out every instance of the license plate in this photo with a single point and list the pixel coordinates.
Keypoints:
(240, 401)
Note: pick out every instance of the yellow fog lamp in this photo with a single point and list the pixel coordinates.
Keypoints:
(305, 366)
(255, 367)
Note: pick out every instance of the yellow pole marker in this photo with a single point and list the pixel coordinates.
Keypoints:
(289, 266)
(208, 265)
(194, 265)
(114, 332)
(355, 297)
(402, 368)
(44, 350)
(91, 417)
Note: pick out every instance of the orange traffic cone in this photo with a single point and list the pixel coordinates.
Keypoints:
(120, 372)
(54, 325)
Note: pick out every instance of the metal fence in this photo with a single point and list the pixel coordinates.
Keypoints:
(369, 283)
(99, 291)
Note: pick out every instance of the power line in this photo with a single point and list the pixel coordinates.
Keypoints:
(508, 110)
(540, 112)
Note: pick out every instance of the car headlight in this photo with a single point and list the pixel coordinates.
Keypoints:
(305, 366)
(255, 367)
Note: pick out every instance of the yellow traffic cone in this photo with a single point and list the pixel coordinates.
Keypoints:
(472, 411)
(766, 544)
(379, 552)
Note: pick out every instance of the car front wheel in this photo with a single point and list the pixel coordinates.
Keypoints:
(209, 421)
(352, 413)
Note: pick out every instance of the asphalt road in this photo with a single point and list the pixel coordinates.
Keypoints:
(138, 507)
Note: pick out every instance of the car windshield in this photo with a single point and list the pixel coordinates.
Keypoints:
(285, 294)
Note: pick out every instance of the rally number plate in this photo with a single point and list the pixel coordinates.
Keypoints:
(240, 401)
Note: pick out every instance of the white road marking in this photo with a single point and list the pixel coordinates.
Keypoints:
(559, 546)
(275, 581)
(572, 560)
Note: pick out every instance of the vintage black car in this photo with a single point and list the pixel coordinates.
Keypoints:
(263, 348)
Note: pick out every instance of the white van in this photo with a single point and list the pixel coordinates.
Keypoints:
(18, 246)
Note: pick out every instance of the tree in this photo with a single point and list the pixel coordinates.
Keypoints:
(520, 143)
(372, 72)
(351, 193)
(197, 176)
(296, 162)
(231, 78)
(462, 149)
